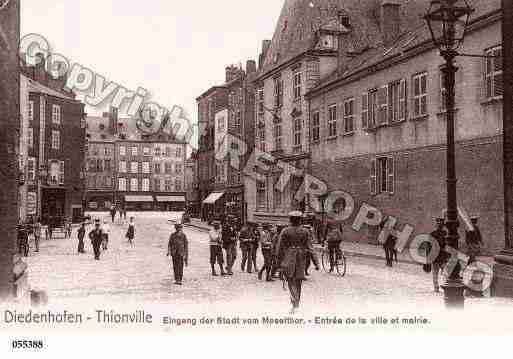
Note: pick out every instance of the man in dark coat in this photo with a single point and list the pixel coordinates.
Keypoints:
(96, 237)
(474, 240)
(295, 244)
(81, 235)
(23, 241)
(245, 239)
(229, 238)
(178, 249)
(439, 235)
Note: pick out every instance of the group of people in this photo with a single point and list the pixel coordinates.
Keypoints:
(289, 251)
(473, 241)
(34, 229)
(100, 236)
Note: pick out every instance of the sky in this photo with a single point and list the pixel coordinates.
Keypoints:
(175, 49)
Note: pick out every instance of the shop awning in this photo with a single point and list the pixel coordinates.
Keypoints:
(213, 197)
(170, 198)
(138, 198)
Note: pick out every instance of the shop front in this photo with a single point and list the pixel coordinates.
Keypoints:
(213, 207)
(139, 203)
(171, 203)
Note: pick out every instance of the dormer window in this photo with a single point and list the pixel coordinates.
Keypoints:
(329, 41)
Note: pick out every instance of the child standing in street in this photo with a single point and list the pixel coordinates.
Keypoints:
(130, 233)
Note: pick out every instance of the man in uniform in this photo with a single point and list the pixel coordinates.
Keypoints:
(216, 250)
(178, 249)
(439, 235)
(295, 244)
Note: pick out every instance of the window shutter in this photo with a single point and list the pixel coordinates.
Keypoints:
(402, 100)
(383, 105)
(373, 177)
(365, 110)
(391, 175)
(61, 172)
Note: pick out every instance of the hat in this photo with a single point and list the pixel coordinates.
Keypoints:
(474, 218)
(296, 214)
(216, 223)
(178, 226)
(97, 220)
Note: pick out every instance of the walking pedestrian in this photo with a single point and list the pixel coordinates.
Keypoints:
(275, 265)
(67, 228)
(113, 212)
(216, 251)
(474, 240)
(229, 237)
(96, 237)
(178, 250)
(295, 243)
(245, 238)
(389, 244)
(37, 233)
(439, 235)
(23, 241)
(308, 256)
(333, 238)
(106, 234)
(130, 233)
(81, 234)
(266, 243)
(254, 246)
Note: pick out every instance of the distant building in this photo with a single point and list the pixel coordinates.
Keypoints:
(227, 141)
(191, 185)
(131, 169)
(54, 132)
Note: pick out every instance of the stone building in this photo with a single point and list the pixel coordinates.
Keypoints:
(378, 128)
(303, 51)
(191, 185)
(56, 144)
(209, 103)
(132, 169)
(233, 139)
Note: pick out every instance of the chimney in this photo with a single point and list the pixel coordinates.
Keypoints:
(266, 44)
(113, 121)
(40, 74)
(251, 67)
(390, 20)
(231, 73)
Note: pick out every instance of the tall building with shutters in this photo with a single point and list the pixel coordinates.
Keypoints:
(378, 129)
(133, 170)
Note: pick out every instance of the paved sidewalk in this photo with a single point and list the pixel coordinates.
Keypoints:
(352, 249)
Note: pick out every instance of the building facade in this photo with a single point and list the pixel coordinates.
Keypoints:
(133, 170)
(233, 139)
(303, 51)
(378, 128)
(191, 185)
(55, 138)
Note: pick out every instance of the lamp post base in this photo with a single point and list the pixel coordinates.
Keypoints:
(454, 294)
(503, 275)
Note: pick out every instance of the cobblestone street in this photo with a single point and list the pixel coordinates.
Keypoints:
(142, 274)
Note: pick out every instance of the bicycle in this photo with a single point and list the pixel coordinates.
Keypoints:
(340, 263)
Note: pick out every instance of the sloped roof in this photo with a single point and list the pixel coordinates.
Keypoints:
(300, 20)
(414, 32)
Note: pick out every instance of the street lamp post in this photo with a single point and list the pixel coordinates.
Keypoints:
(447, 21)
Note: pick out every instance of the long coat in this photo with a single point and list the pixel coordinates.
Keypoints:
(294, 244)
(178, 245)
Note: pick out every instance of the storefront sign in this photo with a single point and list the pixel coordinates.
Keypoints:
(31, 203)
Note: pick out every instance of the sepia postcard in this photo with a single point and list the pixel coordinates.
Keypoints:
(232, 175)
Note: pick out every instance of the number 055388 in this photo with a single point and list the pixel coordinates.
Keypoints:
(27, 344)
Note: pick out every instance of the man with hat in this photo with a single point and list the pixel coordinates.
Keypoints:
(439, 235)
(216, 250)
(178, 250)
(474, 240)
(96, 237)
(294, 244)
(229, 238)
(23, 241)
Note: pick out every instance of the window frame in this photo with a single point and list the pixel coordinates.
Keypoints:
(349, 116)
(297, 83)
(492, 51)
(417, 98)
(56, 114)
(316, 126)
(56, 140)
